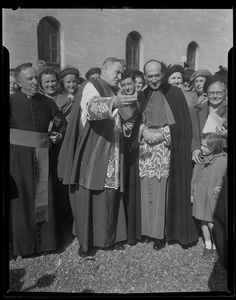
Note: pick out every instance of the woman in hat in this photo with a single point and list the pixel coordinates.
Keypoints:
(69, 80)
(198, 79)
(93, 73)
(188, 85)
(174, 75)
(210, 116)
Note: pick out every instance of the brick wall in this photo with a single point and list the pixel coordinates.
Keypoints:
(89, 36)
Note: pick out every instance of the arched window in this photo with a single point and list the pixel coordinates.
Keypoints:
(133, 50)
(193, 55)
(49, 41)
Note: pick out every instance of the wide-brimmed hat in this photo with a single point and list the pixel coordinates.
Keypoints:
(91, 71)
(200, 72)
(214, 78)
(173, 69)
(68, 70)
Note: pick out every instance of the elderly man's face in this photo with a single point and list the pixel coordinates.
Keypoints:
(28, 81)
(112, 73)
(154, 75)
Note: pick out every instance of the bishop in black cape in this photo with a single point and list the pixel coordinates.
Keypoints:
(180, 226)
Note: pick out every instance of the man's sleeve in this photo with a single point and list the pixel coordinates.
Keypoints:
(194, 144)
(94, 107)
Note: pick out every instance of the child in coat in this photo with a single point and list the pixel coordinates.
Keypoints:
(206, 184)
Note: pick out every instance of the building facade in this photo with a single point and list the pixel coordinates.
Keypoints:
(86, 37)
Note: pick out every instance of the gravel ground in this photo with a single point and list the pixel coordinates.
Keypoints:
(137, 269)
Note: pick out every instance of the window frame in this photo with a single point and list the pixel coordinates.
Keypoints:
(192, 55)
(133, 50)
(44, 30)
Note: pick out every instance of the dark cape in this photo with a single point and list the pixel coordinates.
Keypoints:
(179, 222)
(132, 182)
(27, 237)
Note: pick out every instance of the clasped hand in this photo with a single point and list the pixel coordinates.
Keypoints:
(124, 100)
(152, 136)
(55, 137)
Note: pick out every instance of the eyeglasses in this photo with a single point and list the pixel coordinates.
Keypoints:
(218, 93)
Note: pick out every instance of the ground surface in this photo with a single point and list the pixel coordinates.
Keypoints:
(137, 269)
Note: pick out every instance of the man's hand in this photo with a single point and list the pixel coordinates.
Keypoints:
(196, 156)
(124, 100)
(152, 136)
(129, 125)
(55, 137)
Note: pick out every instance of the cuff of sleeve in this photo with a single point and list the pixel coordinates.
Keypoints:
(111, 111)
(140, 136)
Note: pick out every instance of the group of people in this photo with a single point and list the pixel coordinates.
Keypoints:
(134, 156)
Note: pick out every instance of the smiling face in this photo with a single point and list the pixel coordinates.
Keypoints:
(28, 81)
(216, 94)
(70, 83)
(204, 148)
(128, 86)
(154, 75)
(112, 73)
(176, 79)
(139, 84)
(49, 84)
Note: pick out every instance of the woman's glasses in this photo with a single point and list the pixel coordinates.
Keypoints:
(218, 93)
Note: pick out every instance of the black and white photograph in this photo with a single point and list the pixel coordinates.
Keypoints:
(116, 154)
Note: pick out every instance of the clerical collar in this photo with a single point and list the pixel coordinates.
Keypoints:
(153, 90)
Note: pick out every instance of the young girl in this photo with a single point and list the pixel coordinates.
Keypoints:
(206, 183)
